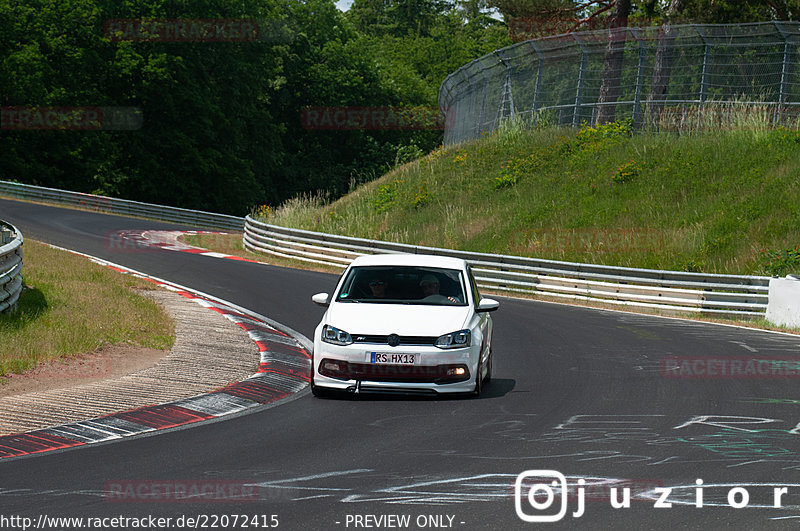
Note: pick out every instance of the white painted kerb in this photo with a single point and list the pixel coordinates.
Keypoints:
(784, 301)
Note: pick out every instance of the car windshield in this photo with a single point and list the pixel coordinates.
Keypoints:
(403, 285)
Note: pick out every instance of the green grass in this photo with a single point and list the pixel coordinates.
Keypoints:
(723, 197)
(72, 306)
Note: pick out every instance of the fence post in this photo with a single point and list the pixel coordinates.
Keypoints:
(637, 97)
(784, 71)
(479, 125)
(538, 85)
(706, 57)
(579, 90)
(507, 95)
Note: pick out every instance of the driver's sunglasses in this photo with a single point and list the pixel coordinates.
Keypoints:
(377, 283)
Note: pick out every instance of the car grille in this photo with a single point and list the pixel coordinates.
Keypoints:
(384, 340)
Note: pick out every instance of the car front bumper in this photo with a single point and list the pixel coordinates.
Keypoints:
(346, 368)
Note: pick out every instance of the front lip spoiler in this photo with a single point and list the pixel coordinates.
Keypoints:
(358, 389)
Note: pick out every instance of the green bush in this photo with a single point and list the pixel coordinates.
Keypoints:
(780, 263)
(387, 193)
(626, 172)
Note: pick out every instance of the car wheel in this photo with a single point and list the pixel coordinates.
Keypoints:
(319, 392)
(478, 382)
(316, 391)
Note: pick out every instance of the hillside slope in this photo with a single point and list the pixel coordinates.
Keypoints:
(725, 201)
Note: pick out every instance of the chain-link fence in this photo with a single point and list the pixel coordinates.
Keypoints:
(667, 75)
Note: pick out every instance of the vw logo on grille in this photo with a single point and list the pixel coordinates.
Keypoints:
(393, 340)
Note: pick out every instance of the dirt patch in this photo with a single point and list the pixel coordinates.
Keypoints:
(106, 363)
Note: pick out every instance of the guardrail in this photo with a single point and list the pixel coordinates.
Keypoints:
(112, 205)
(10, 265)
(669, 291)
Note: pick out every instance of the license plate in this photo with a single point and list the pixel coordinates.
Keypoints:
(392, 358)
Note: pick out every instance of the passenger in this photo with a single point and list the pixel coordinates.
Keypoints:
(378, 286)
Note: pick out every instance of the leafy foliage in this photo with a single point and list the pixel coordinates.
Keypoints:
(387, 193)
(626, 172)
(222, 124)
(780, 263)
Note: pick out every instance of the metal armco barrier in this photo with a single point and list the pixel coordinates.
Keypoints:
(111, 205)
(669, 291)
(10, 265)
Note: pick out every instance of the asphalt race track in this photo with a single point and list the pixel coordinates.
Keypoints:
(587, 393)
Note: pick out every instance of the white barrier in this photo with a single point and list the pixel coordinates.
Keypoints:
(784, 301)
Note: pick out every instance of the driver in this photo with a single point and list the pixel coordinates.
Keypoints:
(430, 290)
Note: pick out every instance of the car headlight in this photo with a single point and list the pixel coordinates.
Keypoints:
(333, 335)
(454, 339)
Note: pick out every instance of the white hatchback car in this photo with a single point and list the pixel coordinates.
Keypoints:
(404, 323)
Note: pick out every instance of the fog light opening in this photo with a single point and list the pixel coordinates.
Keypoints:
(332, 367)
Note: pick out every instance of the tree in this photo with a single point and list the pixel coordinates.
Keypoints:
(663, 62)
(475, 13)
(530, 19)
(612, 62)
(397, 17)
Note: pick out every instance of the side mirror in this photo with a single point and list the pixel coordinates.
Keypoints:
(487, 305)
(321, 299)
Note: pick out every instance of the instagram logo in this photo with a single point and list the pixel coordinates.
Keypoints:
(537, 489)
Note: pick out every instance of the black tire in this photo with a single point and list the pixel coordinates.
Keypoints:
(316, 391)
(478, 383)
(319, 392)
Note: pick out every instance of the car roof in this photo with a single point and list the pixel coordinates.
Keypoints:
(403, 259)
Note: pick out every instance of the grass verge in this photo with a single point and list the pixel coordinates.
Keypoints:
(72, 306)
